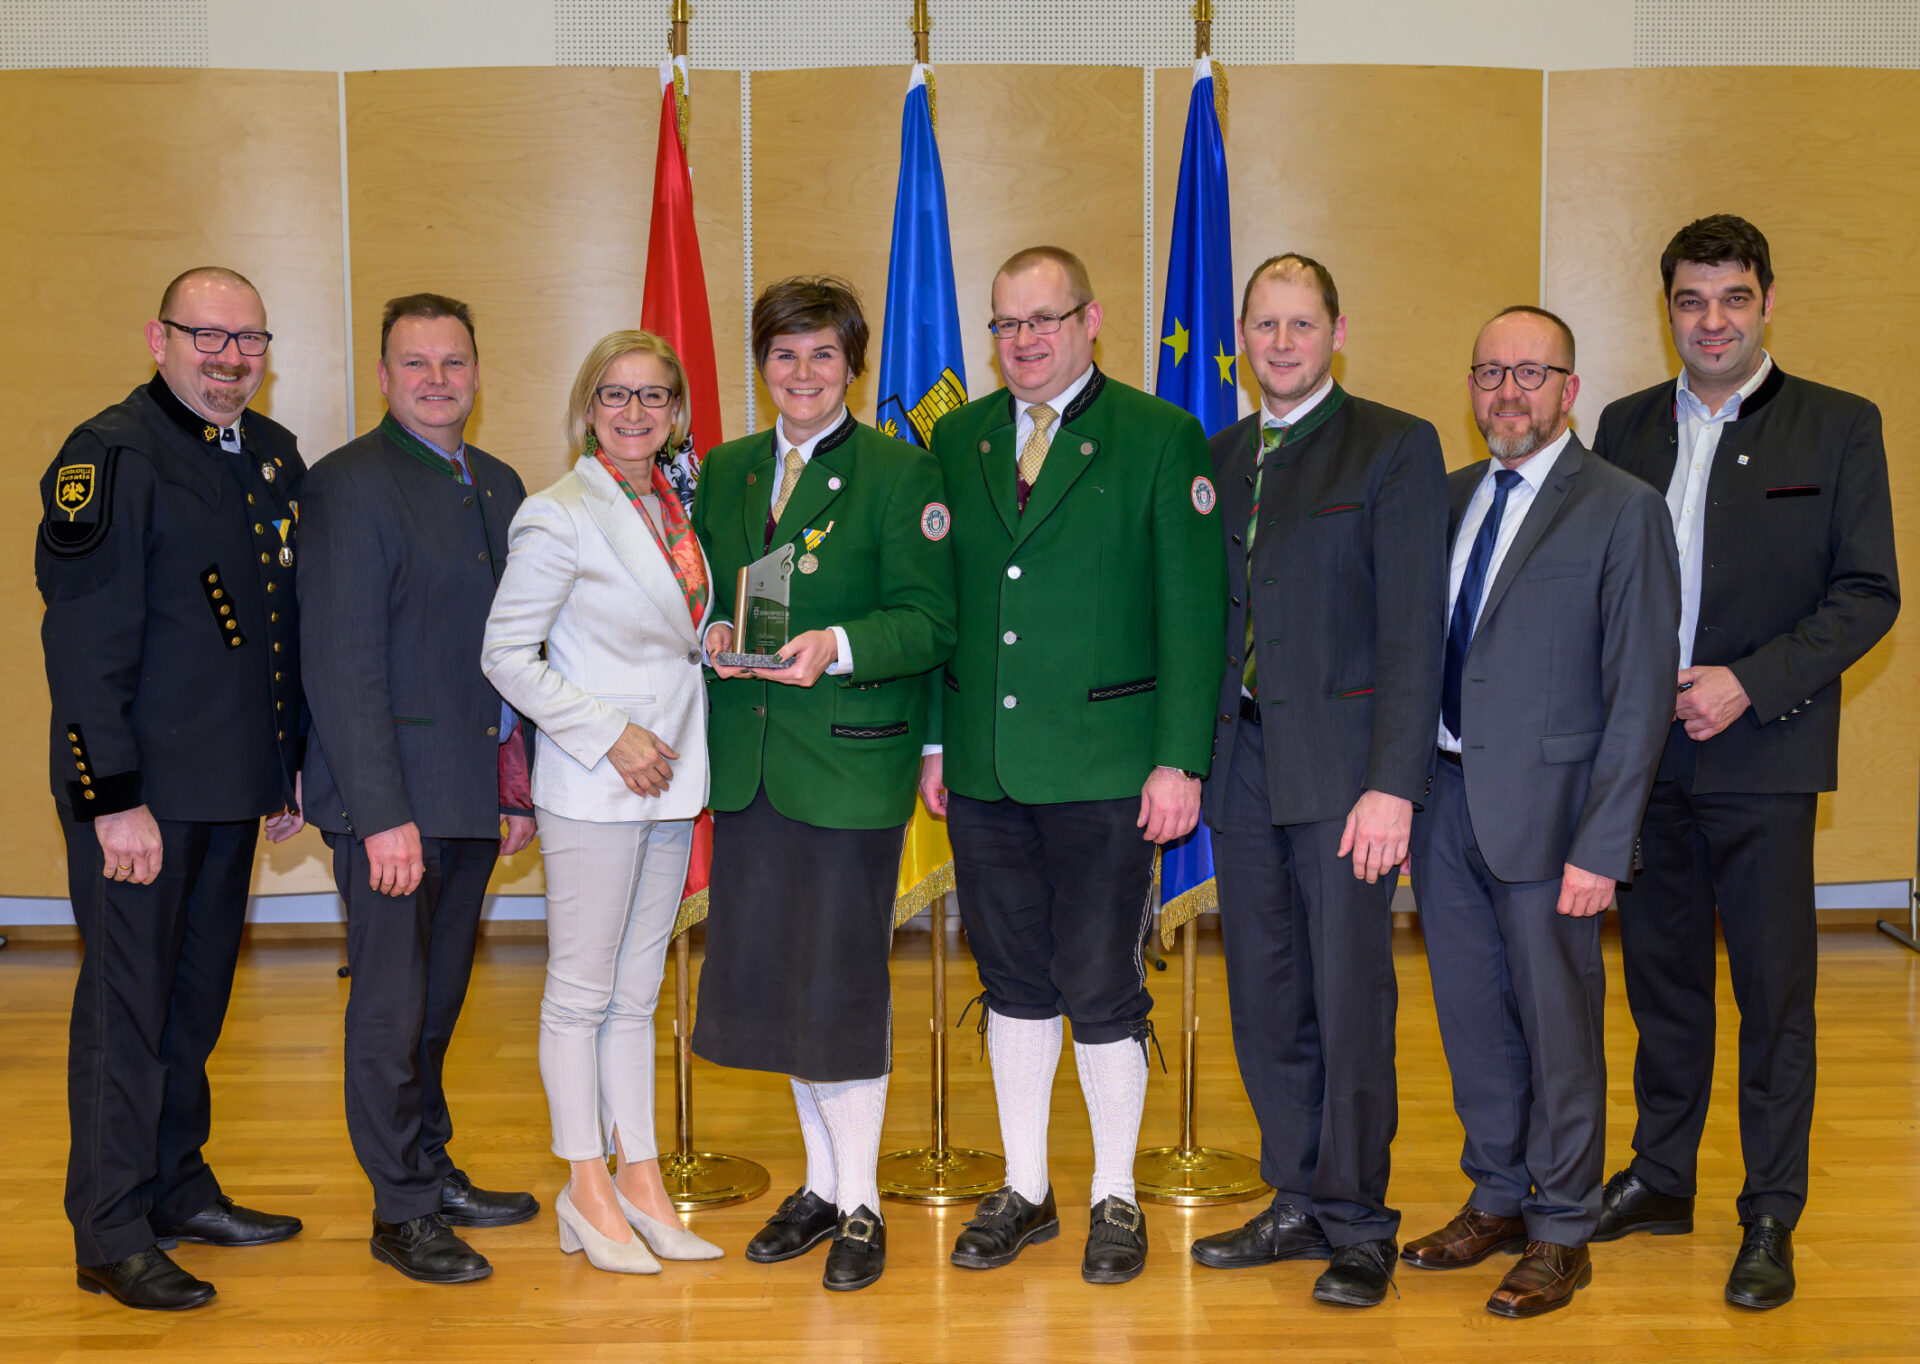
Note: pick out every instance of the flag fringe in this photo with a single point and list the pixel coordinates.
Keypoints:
(923, 892)
(1189, 904)
(692, 910)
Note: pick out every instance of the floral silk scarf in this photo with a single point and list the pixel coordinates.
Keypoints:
(681, 549)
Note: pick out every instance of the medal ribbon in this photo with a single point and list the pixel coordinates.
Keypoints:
(680, 548)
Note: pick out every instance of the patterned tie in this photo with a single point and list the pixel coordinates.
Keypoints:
(795, 465)
(1034, 453)
(1467, 605)
(1272, 437)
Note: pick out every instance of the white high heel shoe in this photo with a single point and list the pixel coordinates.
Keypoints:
(669, 1241)
(616, 1257)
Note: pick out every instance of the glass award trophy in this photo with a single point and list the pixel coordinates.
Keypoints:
(760, 629)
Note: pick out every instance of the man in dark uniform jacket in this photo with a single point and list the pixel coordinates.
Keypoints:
(165, 559)
(1778, 492)
(1334, 510)
(408, 770)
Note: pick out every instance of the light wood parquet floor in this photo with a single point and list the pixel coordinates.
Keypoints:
(279, 1142)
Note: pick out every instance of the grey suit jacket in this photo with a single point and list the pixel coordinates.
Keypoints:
(1348, 587)
(1567, 692)
(399, 561)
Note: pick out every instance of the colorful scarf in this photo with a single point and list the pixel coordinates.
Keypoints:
(681, 549)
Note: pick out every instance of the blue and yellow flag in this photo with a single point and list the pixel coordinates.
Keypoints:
(922, 378)
(1196, 371)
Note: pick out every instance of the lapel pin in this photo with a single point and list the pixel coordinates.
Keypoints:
(1743, 459)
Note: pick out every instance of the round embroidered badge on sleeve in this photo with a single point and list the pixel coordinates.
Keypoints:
(1203, 494)
(934, 522)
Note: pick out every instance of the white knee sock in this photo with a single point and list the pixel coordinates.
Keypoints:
(1025, 1054)
(1113, 1076)
(813, 1132)
(853, 1111)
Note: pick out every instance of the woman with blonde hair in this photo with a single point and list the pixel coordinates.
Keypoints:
(604, 575)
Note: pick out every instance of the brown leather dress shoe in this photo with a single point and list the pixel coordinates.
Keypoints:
(1545, 1279)
(1468, 1239)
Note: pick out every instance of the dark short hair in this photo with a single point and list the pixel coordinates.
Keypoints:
(185, 277)
(1292, 262)
(1079, 282)
(1565, 331)
(810, 303)
(426, 305)
(1715, 240)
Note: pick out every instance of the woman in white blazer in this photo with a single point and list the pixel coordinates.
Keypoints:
(605, 575)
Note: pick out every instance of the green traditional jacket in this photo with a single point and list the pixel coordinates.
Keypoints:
(1089, 624)
(869, 514)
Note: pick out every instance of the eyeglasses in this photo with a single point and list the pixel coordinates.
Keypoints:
(212, 340)
(1527, 374)
(617, 396)
(1041, 324)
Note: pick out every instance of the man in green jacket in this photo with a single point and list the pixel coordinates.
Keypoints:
(1069, 733)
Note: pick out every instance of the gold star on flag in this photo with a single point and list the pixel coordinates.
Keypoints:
(1225, 360)
(1178, 340)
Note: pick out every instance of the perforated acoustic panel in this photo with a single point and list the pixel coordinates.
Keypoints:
(39, 33)
(770, 35)
(1776, 33)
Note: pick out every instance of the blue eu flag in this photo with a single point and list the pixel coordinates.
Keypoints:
(922, 374)
(1195, 371)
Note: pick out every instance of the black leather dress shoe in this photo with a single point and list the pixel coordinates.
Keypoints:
(1116, 1242)
(226, 1223)
(426, 1249)
(1629, 1204)
(1762, 1274)
(1359, 1275)
(462, 1205)
(801, 1222)
(1004, 1225)
(148, 1280)
(859, 1252)
(1282, 1232)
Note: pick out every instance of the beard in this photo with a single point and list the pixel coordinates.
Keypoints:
(1518, 446)
(225, 397)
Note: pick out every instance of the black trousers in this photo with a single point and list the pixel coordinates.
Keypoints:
(1055, 902)
(1751, 856)
(411, 957)
(1309, 950)
(147, 1009)
(1519, 990)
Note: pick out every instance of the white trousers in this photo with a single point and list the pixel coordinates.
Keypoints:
(612, 893)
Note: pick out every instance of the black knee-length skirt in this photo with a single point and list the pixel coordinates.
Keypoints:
(799, 927)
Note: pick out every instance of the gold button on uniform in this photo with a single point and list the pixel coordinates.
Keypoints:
(493, 731)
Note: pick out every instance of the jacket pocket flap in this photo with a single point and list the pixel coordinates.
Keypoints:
(1796, 490)
(889, 731)
(1555, 568)
(1570, 748)
(1335, 508)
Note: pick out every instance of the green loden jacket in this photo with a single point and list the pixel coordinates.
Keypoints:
(1089, 624)
(845, 752)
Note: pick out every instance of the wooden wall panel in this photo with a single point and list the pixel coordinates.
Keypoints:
(1416, 186)
(1827, 163)
(111, 183)
(1031, 154)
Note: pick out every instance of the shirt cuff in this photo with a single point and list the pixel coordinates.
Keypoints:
(928, 750)
(843, 654)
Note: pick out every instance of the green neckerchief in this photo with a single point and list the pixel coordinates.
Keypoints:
(441, 463)
(1297, 431)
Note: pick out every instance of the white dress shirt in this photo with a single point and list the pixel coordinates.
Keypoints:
(1059, 402)
(1699, 438)
(1533, 474)
(843, 652)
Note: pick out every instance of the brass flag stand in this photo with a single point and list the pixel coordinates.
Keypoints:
(697, 1179)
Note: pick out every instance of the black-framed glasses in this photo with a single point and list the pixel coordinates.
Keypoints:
(213, 340)
(1041, 324)
(1528, 374)
(616, 396)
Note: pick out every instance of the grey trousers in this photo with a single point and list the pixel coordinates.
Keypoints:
(613, 891)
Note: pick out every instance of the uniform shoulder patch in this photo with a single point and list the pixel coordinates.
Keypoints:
(1203, 495)
(79, 502)
(934, 522)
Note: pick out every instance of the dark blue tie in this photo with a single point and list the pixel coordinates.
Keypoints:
(1473, 583)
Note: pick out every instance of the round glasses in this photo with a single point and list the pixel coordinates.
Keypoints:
(617, 396)
(213, 340)
(1527, 374)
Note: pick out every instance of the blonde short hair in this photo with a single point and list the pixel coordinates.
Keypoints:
(605, 351)
(1079, 283)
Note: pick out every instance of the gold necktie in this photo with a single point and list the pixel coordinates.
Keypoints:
(1034, 453)
(787, 480)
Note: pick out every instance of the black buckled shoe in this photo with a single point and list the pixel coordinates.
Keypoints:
(147, 1280)
(1116, 1242)
(1629, 1204)
(1004, 1225)
(462, 1205)
(859, 1252)
(1762, 1274)
(1282, 1232)
(426, 1249)
(801, 1222)
(226, 1223)
(1359, 1275)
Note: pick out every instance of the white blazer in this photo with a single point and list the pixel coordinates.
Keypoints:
(584, 578)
